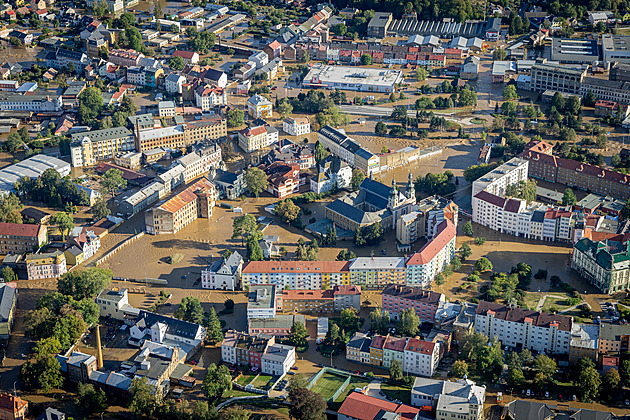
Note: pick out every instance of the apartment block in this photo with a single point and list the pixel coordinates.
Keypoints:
(348, 150)
(259, 352)
(522, 328)
(374, 273)
(397, 298)
(556, 77)
(208, 97)
(89, 148)
(496, 181)
(311, 275)
(50, 265)
(182, 208)
(125, 58)
(257, 137)
(261, 301)
(423, 219)
(421, 357)
(18, 238)
(433, 257)
(462, 399)
(296, 126)
(321, 301)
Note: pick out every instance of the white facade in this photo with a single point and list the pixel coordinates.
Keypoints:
(296, 126)
(496, 181)
(260, 59)
(277, 359)
(434, 256)
(261, 302)
(173, 83)
(421, 357)
(207, 98)
(228, 347)
(224, 275)
(329, 174)
(114, 304)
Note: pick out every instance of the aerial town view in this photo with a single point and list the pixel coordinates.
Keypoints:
(309, 210)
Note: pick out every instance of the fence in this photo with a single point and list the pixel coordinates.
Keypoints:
(340, 389)
(118, 248)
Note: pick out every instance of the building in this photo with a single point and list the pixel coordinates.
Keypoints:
(228, 185)
(8, 302)
(273, 50)
(615, 49)
(620, 72)
(261, 302)
(33, 102)
(259, 107)
(45, 266)
(530, 410)
(180, 209)
(310, 275)
(290, 153)
(574, 51)
(398, 298)
(496, 181)
(258, 352)
(279, 326)
(207, 97)
(320, 301)
(358, 348)
(559, 78)
(52, 414)
(296, 126)
(424, 218)
(114, 303)
(283, 179)
(348, 150)
(612, 338)
(358, 406)
(374, 273)
(125, 58)
(352, 78)
(175, 333)
(129, 160)
(470, 68)
(77, 366)
(63, 58)
(607, 90)
(332, 173)
(32, 167)
(605, 264)
(173, 83)
(584, 342)
(459, 399)
(189, 57)
(257, 137)
(223, 275)
(13, 407)
(394, 349)
(421, 357)
(18, 238)
(89, 148)
(260, 59)
(522, 328)
(433, 257)
(373, 202)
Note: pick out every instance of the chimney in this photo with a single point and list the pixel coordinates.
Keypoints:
(99, 357)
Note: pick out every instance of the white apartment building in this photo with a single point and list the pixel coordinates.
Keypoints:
(228, 347)
(517, 327)
(331, 171)
(433, 257)
(173, 83)
(261, 301)
(421, 357)
(224, 275)
(115, 304)
(207, 97)
(260, 59)
(88, 148)
(166, 109)
(461, 399)
(254, 138)
(277, 359)
(195, 165)
(348, 150)
(296, 126)
(496, 181)
(34, 101)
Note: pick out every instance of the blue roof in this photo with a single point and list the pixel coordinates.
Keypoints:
(365, 154)
(376, 187)
(347, 210)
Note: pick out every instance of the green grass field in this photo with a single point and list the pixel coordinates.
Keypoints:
(328, 384)
(261, 381)
(397, 392)
(245, 379)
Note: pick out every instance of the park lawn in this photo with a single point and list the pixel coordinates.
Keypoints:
(397, 392)
(245, 379)
(558, 304)
(261, 381)
(531, 300)
(577, 316)
(237, 393)
(327, 385)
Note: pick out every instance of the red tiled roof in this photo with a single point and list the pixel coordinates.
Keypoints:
(491, 198)
(188, 195)
(350, 289)
(420, 346)
(19, 229)
(362, 407)
(255, 131)
(378, 342)
(512, 205)
(396, 344)
(274, 45)
(307, 294)
(521, 315)
(184, 54)
(296, 267)
(446, 232)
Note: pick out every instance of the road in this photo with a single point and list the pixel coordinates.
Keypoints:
(377, 111)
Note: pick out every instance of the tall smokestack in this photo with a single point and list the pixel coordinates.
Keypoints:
(99, 357)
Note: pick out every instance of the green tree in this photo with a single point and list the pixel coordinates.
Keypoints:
(409, 322)
(90, 105)
(8, 274)
(381, 128)
(190, 310)
(396, 370)
(465, 251)
(244, 226)
(515, 378)
(113, 181)
(235, 117)
(217, 381)
(100, 210)
(43, 373)
(84, 284)
(64, 223)
(284, 107)
(332, 336)
(546, 368)
(569, 198)
(298, 334)
(366, 59)
(459, 369)
(483, 264)
(467, 229)
(357, 178)
(254, 251)
(90, 399)
(287, 211)
(142, 401)
(456, 263)
(610, 384)
(176, 63)
(349, 319)
(256, 181)
(306, 404)
(624, 371)
(601, 141)
(320, 152)
(421, 74)
(14, 142)
(467, 97)
(509, 93)
(215, 335)
(588, 384)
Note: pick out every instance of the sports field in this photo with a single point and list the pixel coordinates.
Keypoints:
(328, 384)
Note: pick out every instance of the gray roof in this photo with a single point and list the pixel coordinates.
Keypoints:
(280, 321)
(8, 296)
(112, 295)
(174, 326)
(262, 296)
(52, 414)
(101, 135)
(529, 410)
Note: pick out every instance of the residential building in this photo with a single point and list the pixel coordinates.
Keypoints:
(245, 72)
(433, 257)
(398, 298)
(373, 202)
(279, 326)
(283, 179)
(376, 350)
(314, 301)
(290, 153)
(181, 208)
(201, 131)
(423, 219)
(421, 357)
(188, 337)
(374, 273)
(173, 83)
(605, 264)
(260, 59)
(49, 265)
(273, 50)
(259, 107)
(89, 148)
(63, 58)
(529, 410)
(461, 399)
(271, 69)
(257, 351)
(332, 173)
(8, 303)
(394, 349)
(12, 407)
(522, 328)
(129, 160)
(214, 77)
(125, 58)
(310, 275)
(77, 366)
(496, 181)
(207, 97)
(228, 185)
(52, 414)
(257, 137)
(189, 57)
(584, 343)
(277, 359)
(296, 126)
(18, 238)
(348, 150)
(261, 302)
(613, 338)
(547, 76)
(358, 406)
(114, 303)
(33, 102)
(223, 275)
(358, 348)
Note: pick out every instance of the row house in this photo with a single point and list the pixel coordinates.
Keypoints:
(311, 275)
(398, 298)
(374, 273)
(257, 137)
(433, 257)
(522, 328)
(321, 301)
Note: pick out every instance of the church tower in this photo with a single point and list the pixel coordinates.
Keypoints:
(393, 196)
(411, 191)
